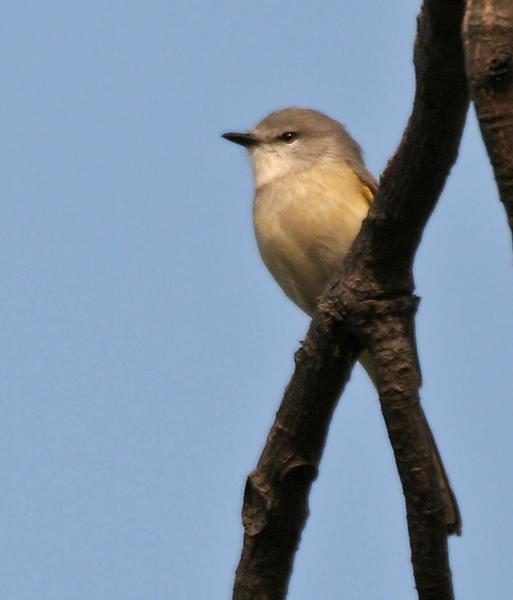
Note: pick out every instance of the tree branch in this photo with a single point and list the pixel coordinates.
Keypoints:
(388, 327)
(370, 304)
(488, 37)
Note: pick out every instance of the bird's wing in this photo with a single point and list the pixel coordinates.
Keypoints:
(370, 185)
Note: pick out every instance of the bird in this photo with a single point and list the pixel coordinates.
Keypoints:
(312, 193)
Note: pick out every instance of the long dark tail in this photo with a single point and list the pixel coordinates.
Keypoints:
(452, 512)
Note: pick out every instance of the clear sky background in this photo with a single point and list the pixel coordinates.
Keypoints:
(144, 348)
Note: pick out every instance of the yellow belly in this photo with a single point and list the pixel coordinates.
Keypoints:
(305, 224)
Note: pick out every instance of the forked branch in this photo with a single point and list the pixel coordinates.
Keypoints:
(370, 304)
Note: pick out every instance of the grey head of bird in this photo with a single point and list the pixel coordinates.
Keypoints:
(292, 140)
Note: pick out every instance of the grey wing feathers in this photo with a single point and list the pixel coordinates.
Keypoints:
(365, 177)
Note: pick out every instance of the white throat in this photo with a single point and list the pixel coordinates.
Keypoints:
(270, 164)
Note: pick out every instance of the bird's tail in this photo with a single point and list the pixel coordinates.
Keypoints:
(451, 510)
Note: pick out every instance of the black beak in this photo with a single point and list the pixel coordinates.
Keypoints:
(244, 139)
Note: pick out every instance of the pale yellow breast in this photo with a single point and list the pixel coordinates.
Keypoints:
(305, 223)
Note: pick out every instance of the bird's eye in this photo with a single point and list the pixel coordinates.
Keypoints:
(288, 137)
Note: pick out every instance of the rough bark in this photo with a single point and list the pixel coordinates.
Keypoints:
(488, 37)
(370, 304)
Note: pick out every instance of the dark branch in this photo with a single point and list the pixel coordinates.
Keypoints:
(389, 329)
(369, 305)
(488, 37)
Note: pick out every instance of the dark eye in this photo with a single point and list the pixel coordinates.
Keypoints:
(288, 137)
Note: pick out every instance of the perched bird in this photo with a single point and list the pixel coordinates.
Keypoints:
(312, 192)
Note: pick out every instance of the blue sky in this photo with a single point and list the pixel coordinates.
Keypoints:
(144, 347)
